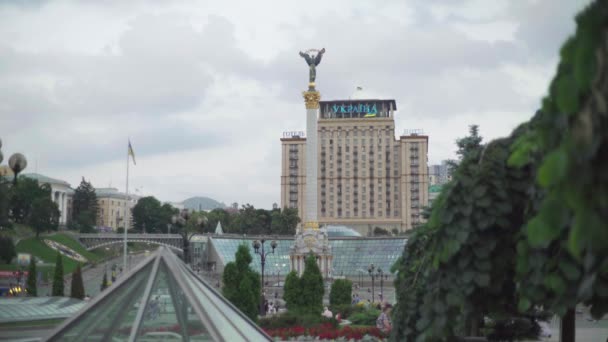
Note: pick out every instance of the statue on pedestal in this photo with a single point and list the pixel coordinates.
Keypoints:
(313, 58)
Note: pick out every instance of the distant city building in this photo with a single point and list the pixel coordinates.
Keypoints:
(113, 207)
(61, 194)
(366, 177)
(439, 174)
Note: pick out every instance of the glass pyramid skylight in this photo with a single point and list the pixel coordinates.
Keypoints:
(160, 300)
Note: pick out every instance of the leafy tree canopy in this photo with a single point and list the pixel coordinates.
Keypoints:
(242, 284)
(85, 206)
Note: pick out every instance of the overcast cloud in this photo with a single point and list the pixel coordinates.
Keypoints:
(204, 90)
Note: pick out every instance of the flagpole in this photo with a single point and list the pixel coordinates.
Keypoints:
(126, 215)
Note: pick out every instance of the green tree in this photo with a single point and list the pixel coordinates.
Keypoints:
(85, 206)
(23, 195)
(341, 292)
(292, 292)
(167, 211)
(242, 284)
(4, 204)
(312, 287)
(220, 215)
(7, 249)
(147, 215)
(77, 288)
(378, 231)
(44, 215)
(562, 259)
(58, 277)
(284, 222)
(31, 278)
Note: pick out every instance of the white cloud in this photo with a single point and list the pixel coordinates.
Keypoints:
(205, 89)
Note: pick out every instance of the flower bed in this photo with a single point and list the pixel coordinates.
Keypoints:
(326, 331)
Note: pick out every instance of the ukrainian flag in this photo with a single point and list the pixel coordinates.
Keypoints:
(370, 115)
(131, 153)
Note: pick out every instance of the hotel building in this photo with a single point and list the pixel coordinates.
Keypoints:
(367, 178)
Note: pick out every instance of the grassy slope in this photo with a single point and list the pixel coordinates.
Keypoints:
(40, 250)
(69, 241)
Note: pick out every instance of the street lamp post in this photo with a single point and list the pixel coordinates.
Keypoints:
(256, 247)
(381, 284)
(16, 163)
(370, 270)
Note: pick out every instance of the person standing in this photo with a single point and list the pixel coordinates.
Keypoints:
(384, 321)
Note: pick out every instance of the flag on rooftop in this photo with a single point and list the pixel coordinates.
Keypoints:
(131, 153)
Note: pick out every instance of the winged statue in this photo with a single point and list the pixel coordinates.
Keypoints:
(312, 60)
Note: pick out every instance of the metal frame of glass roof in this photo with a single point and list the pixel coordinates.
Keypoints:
(129, 310)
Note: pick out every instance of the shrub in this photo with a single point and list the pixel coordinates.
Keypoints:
(367, 317)
(58, 277)
(346, 310)
(7, 249)
(291, 319)
(341, 291)
(77, 289)
(31, 278)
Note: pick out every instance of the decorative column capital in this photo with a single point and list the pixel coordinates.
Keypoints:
(311, 98)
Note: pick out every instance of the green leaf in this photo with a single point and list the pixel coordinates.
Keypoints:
(484, 202)
(570, 270)
(483, 251)
(483, 265)
(462, 236)
(567, 94)
(523, 305)
(439, 307)
(540, 233)
(452, 299)
(555, 283)
(463, 261)
(468, 276)
(479, 191)
(553, 168)
(576, 235)
(482, 279)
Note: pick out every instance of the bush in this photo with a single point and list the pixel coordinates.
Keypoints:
(7, 249)
(58, 277)
(31, 278)
(346, 310)
(341, 291)
(367, 317)
(290, 319)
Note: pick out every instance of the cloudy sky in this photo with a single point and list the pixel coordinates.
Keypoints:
(204, 89)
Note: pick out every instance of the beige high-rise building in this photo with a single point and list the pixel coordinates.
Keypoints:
(367, 178)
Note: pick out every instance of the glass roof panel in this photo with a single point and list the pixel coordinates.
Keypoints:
(110, 314)
(160, 300)
(169, 314)
(350, 255)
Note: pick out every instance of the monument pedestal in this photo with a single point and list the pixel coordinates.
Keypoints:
(313, 241)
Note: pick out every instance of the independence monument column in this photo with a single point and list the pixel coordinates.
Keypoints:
(311, 239)
(311, 98)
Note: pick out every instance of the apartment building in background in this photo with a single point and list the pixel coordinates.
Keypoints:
(113, 206)
(367, 178)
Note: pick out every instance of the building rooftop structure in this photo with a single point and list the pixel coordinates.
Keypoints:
(339, 230)
(350, 254)
(26, 309)
(161, 299)
(45, 179)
